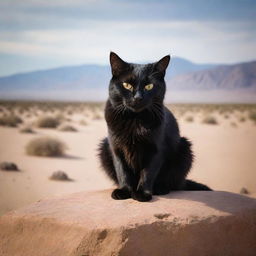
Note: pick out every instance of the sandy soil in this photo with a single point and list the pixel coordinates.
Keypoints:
(225, 160)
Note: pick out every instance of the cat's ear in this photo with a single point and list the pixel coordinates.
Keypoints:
(117, 64)
(162, 64)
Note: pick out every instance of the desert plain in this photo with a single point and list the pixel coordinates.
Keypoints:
(223, 137)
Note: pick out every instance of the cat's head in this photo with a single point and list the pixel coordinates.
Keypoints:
(137, 86)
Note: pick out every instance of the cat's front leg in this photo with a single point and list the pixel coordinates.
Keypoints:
(148, 175)
(142, 195)
(124, 179)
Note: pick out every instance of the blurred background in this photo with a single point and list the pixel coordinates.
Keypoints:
(54, 74)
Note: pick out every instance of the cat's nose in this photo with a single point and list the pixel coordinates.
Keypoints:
(138, 96)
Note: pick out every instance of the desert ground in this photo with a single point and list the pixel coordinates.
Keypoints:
(223, 139)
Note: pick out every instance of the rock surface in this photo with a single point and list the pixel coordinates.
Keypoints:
(91, 223)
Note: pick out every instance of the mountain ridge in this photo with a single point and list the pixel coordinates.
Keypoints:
(229, 77)
(90, 82)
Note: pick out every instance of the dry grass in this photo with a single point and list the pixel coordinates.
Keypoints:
(48, 122)
(46, 146)
(81, 110)
(10, 120)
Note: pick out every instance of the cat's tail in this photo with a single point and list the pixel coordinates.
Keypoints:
(192, 185)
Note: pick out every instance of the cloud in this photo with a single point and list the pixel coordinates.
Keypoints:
(66, 13)
(136, 41)
(80, 31)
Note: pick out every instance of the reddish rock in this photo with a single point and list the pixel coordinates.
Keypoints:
(91, 223)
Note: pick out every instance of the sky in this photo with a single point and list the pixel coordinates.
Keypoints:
(42, 34)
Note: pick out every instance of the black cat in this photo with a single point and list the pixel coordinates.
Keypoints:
(144, 153)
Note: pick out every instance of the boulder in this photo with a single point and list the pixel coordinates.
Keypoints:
(91, 223)
(59, 175)
(8, 166)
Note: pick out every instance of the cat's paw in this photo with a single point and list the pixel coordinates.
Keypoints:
(142, 196)
(121, 194)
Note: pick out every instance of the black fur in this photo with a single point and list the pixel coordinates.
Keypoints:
(144, 153)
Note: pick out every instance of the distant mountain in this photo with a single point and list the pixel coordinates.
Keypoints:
(186, 81)
(73, 77)
(229, 77)
(84, 79)
(180, 66)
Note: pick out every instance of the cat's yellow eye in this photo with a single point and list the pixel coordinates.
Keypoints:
(149, 87)
(128, 86)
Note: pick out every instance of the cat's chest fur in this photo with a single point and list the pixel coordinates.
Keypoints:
(135, 144)
(133, 138)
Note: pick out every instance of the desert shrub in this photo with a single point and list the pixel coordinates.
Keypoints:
(45, 146)
(59, 175)
(242, 119)
(10, 120)
(189, 119)
(209, 120)
(48, 122)
(26, 129)
(252, 116)
(83, 122)
(67, 128)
